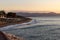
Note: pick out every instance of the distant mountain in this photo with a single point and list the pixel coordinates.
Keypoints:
(30, 11)
(35, 13)
(27, 14)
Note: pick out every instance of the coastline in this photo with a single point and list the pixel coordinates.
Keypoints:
(12, 36)
(20, 22)
(22, 25)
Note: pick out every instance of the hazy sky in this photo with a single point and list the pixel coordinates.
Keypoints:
(30, 5)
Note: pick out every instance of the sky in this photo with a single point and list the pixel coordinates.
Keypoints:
(30, 5)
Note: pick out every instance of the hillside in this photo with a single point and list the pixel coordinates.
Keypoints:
(11, 18)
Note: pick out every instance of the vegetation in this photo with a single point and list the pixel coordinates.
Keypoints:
(11, 18)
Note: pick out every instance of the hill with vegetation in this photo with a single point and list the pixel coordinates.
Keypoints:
(11, 18)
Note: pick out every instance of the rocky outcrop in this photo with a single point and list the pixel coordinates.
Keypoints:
(5, 36)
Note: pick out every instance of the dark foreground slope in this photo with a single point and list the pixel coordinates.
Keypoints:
(6, 36)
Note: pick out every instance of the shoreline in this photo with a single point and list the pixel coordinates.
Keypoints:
(21, 26)
(13, 23)
(8, 35)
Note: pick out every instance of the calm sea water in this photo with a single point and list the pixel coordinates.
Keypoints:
(42, 28)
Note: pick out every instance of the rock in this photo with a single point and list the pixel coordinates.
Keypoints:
(6, 36)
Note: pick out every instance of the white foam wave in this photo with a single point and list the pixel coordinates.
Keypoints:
(23, 25)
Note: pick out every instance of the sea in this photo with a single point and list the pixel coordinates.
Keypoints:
(39, 28)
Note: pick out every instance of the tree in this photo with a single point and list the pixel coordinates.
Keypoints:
(11, 14)
(2, 13)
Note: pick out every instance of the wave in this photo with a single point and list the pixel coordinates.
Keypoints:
(23, 25)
